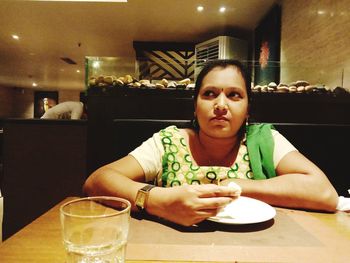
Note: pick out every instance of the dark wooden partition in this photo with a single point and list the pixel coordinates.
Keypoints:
(103, 108)
(325, 145)
(317, 123)
(302, 108)
(137, 131)
(43, 162)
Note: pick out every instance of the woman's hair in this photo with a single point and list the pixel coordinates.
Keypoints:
(223, 63)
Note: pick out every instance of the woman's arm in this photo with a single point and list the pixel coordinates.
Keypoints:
(299, 184)
(121, 178)
(186, 205)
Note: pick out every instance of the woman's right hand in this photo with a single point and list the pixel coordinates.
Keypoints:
(190, 204)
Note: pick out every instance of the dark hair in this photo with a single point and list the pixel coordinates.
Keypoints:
(223, 63)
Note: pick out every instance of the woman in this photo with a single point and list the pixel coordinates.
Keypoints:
(194, 166)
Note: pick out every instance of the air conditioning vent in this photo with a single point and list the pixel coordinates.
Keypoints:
(222, 47)
(69, 61)
(206, 53)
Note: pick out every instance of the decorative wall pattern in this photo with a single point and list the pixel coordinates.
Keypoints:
(158, 60)
(172, 65)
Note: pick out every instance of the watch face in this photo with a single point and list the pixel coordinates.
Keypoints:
(140, 199)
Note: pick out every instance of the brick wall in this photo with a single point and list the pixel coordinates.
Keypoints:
(315, 43)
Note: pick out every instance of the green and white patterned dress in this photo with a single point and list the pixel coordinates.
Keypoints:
(167, 161)
(179, 167)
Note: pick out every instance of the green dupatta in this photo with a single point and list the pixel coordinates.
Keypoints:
(260, 146)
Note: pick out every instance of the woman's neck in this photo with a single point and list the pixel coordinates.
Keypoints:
(210, 151)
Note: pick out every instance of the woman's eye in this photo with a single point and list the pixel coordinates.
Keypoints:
(234, 95)
(209, 93)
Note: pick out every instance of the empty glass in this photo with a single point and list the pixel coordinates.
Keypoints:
(95, 229)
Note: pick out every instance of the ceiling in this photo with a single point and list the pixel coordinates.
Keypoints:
(49, 30)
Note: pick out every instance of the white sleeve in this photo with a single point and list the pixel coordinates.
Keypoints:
(149, 155)
(282, 147)
(77, 111)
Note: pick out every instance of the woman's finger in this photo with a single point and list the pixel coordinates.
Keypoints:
(213, 203)
(212, 190)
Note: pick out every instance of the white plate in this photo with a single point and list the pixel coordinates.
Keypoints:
(245, 210)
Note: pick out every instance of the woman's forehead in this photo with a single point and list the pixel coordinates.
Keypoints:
(223, 76)
(228, 68)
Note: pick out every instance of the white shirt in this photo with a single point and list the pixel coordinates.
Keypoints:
(149, 154)
(66, 110)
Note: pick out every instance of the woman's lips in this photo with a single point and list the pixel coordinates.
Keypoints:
(219, 118)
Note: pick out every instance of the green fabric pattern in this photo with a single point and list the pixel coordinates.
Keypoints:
(179, 167)
(260, 148)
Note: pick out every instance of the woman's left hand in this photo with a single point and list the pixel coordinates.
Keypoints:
(190, 204)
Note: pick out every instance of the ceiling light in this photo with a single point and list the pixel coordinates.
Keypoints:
(321, 12)
(222, 9)
(15, 37)
(200, 8)
(34, 84)
(78, 71)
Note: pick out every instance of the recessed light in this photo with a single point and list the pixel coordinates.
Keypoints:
(200, 8)
(34, 84)
(321, 12)
(78, 71)
(96, 64)
(15, 37)
(222, 9)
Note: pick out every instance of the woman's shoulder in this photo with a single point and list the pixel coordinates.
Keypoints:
(188, 133)
(181, 133)
(185, 132)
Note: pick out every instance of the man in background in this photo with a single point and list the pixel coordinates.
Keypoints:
(68, 110)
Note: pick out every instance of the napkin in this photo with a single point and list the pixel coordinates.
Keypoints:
(344, 203)
(235, 187)
(229, 210)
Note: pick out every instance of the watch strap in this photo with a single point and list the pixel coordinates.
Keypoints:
(147, 187)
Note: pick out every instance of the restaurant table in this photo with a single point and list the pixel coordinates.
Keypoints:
(291, 236)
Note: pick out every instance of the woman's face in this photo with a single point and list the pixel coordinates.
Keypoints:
(222, 103)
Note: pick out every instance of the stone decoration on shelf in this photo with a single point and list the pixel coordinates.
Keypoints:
(300, 86)
(130, 82)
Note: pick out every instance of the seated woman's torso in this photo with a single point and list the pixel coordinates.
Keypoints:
(183, 163)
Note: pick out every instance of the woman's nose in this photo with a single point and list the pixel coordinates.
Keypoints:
(221, 104)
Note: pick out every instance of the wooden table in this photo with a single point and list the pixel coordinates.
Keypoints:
(292, 236)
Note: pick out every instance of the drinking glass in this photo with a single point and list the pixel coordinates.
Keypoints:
(95, 229)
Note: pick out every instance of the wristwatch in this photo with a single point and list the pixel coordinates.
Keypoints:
(142, 196)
